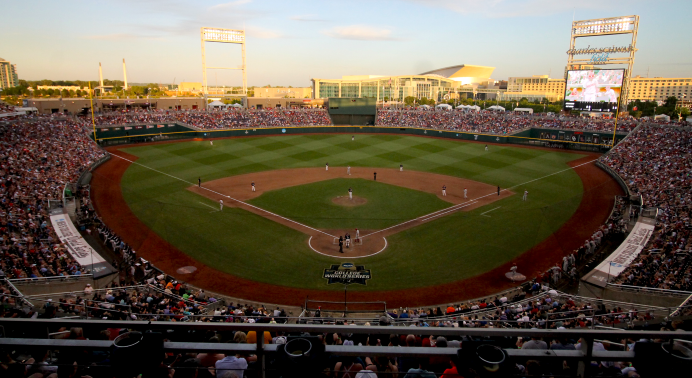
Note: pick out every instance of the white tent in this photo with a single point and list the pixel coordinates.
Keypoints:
(425, 106)
(444, 106)
(217, 105)
(524, 110)
(663, 117)
(469, 107)
(236, 105)
(496, 108)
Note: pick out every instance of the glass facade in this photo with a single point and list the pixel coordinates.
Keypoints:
(393, 88)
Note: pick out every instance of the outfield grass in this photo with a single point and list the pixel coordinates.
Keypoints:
(452, 248)
(387, 205)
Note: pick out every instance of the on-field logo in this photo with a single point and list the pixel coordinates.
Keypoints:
(346, 274)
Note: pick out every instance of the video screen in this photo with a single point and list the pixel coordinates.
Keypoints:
(593, 90)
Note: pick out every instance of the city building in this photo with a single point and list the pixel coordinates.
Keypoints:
(536, 87)
(305, 92)
(659, 88)
(434, 84)
(8, 74)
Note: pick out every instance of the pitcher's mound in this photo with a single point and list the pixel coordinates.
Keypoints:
(345, 201)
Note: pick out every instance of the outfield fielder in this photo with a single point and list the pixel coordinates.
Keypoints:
(253, 186)
(350, 193)
(526, 195)
(465, 193)
(444, 190)
(220, 205)
(327, 167)
(401, 167)
(348, 170)
(211, 142)
(486, 147)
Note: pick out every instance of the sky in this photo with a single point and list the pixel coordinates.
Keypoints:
(290, 42)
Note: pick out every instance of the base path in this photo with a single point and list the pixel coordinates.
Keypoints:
(596, 204)
(240, 188)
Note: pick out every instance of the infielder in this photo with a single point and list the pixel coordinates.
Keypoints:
(401, 167)
(199, 182)
(444, 190)
(220, 205)
(350, 193)
(253, 186)
(357, 234)
(526, 195)
(465, 193)
(498, 190)
(348, 170)
(374, 176)
(327, 167)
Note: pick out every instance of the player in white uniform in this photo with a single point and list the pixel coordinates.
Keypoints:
(253, 186)
(327, 167)
(444, 190)
(465, 191)
(610, 93)
(350, 193)
(220, 205)
(526, 195)
(348, 170)
(401, 167)
(486, 147)
(211, 142)
(590, 88)
(353, 137)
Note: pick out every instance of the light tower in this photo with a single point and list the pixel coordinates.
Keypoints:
(100, 76)
(223, 36)
(125, 74)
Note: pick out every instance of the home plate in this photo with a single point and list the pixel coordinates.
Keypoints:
(186, 270)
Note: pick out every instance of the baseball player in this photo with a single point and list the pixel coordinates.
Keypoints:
(211, 142)
(220, 205)
(526, 195)
(401, 167)
(327, 167)
(353, 137)
(498, 190)
(348, 170)
(253, 186)
(347, 240)
(465, 193)
(199, 182)
(444, 190)
(374, 175)
(341, 244)
(357, 234)
(350, 193)
(486, 147)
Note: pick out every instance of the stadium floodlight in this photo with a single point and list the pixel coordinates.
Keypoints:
(223, 36)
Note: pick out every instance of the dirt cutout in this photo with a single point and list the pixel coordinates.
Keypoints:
(349, 202)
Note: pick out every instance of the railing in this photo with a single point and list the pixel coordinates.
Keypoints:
(649, 290)
(277, 353)
(52, 279)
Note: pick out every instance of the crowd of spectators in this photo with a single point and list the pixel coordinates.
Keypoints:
(492, 122)
(656, 162)
(218, 119)
(38, 156)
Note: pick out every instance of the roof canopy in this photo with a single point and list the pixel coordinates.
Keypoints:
(462, 70)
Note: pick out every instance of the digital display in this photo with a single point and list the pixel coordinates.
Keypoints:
(593, 90)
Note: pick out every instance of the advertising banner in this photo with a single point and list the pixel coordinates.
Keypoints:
(80, 250)
(621, 258)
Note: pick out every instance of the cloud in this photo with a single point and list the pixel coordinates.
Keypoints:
(360, 33)
(513, 8)
(228, 5)
(308, 18)
(257, 32)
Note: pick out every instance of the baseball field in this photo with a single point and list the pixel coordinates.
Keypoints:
(421, 247)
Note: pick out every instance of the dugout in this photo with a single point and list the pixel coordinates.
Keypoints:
(353, 111)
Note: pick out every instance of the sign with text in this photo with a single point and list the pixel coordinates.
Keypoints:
(346, 274)
(78, 248)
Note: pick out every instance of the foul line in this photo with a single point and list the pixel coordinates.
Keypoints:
(223, 195)
(209, 206)
(467, 203)
(490, 211)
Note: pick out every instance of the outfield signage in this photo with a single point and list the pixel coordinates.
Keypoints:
(346, 274)
(78, 248)
(623, 256)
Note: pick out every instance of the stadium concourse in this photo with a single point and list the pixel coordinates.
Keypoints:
(40, 154)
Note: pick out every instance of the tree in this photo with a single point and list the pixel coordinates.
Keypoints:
(408, 100)
(684, 112)
(65, 93)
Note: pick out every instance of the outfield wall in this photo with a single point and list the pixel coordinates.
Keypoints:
(112, 135)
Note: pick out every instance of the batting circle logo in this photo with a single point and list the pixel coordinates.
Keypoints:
(283, 130)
